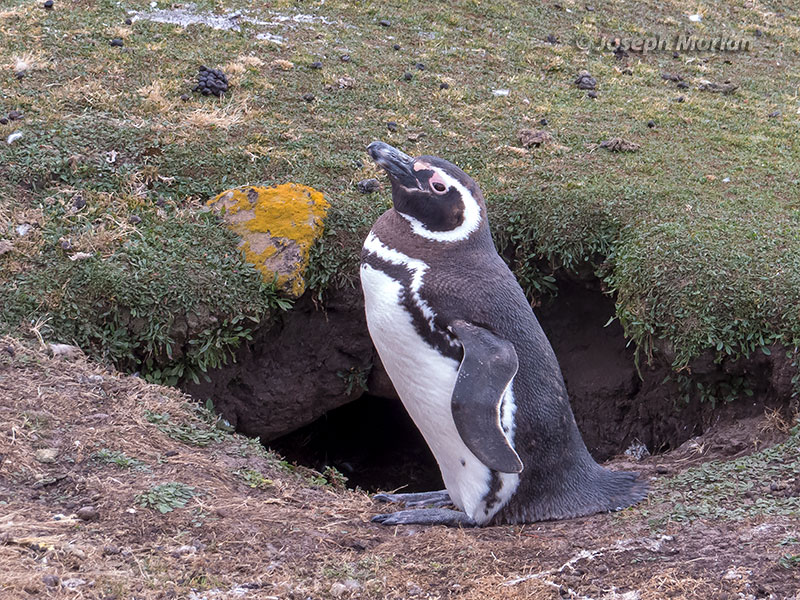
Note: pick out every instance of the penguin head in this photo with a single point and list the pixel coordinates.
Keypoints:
(438, 199)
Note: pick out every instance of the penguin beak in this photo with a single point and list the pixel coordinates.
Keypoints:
(398, 165)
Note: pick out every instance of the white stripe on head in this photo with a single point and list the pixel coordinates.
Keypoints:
(472, 215)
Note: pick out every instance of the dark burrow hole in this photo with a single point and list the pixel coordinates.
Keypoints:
(372, 441)
(376, 445)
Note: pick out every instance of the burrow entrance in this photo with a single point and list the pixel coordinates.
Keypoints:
(376, 445)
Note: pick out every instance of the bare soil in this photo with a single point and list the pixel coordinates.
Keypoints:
(297, 534)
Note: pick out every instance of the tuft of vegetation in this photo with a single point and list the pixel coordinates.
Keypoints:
(119, 459)
(254, 478)
(166, 497)
(193, 434)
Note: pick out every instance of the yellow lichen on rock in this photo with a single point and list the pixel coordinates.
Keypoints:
(278, 226)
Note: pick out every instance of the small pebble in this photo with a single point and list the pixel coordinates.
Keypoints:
(117, 42)
(543, 122)
(367, 186)
(589, 8)
(759, 33)
(420, 66)
(48, 4)
(50, 580)
(15, 115)
(171, 453)
(444, 86)
(134, 219)
(592, 94)
(78, 202)
(408, 76)
(87, 513)
(384, 23)
(391, 126)
(358, 164)
(683, 85)
(345, 58)
(585, 81)
(396, 46)
(66, 245)
(774, 113)
(651, 124)
(308, 97)
(3, 121)
(128, 21)
(661, 470)
(184, 97)
(680, 99)
(551, 39)
(315, 65)
(675, 55)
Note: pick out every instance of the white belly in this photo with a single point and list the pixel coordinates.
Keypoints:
(425, 379)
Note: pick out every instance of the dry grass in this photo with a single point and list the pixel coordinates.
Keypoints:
(289, 537)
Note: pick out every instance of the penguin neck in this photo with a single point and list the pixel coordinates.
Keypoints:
(396, 232)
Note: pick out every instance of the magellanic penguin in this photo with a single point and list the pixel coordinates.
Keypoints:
(471, 363)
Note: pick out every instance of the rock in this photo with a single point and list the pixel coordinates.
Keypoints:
(117, 42)
(15, 115)
(444, 86)
(134, 219)
(533, 137)
(309, 97)
(3, 121)
(72, 583)
(128, 21)
(420, 66)
(585, 81)
(683, 85)
(345, 58)
(277, 227)
(651, 124)
(384, 23)
(368, 186)
(87, 513)
(619, 145)
(48, 4)
(543, 122)
(346, 83)
(774, 114)
(50, 580)
(408, 76)
(671, 77)
(338, 589)
(5, 247)
(184, 97)
(679, 99)
(352, 585)
(391, 126)
(551, 39)
(46, 455)
(592, 94)
(315, 65)
(705, 85)
(396, 46)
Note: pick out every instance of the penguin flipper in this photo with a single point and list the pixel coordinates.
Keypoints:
(486, 371)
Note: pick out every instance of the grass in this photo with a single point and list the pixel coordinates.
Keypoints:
(760, 484)
(697, 233)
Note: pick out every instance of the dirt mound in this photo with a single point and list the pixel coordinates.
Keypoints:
(90, 458)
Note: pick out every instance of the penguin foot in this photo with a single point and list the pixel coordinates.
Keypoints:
(426, 516)
(434, 499)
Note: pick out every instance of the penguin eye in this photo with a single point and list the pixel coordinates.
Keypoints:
(438, 187)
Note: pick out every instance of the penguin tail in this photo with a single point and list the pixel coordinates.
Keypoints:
(587, 492)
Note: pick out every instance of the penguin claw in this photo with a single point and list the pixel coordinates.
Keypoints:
(419, 499)
(426, 516)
